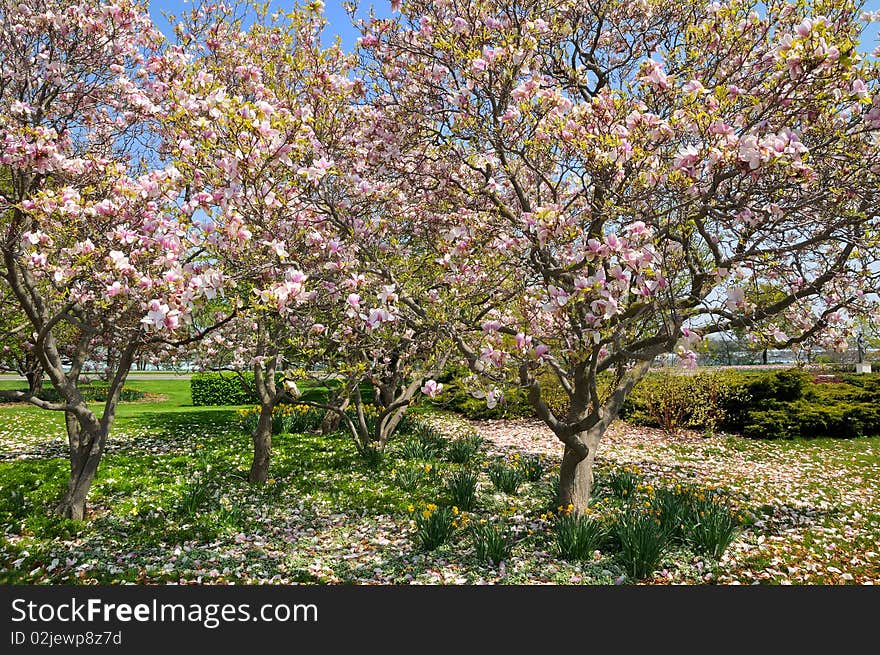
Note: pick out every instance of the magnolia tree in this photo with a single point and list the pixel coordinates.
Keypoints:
(93, 254)
(17, 354)
(252, 93)
(386, 295)
(252, 342)
(362, 331)
(291, 169)
(622, 173)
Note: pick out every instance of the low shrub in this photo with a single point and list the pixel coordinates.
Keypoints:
(671, 401)
(782, 404)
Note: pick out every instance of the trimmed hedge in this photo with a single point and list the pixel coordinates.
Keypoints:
(221, 389)
(94, 392)
(780, 405)
(227, 388)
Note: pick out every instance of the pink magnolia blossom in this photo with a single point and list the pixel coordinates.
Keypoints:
(377, 317)
(654, 75)
(735, 298)
(157, 313)
(432, 388)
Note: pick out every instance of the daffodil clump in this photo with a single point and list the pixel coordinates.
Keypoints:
(418, 449)
(638, 521)
(299, 418)
(285, 418)
(642, 541)
(229, 513)
(194, 494)
(577, 537)
(533, 466)
(506, 475)
(410, 476)
(462, 488)
(370, 413)
(425, 442)
(624, 481)
(653, 519)
(435, 524)
(492, 540)
(701, 517)
(463, 449)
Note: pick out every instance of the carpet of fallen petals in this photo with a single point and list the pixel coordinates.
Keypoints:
(816, 503)
(814, 510)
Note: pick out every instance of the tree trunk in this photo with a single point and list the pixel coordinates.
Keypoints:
(35, 380)
(107, 375)
(764, 356)
(332, 420)
(330, 423)
(262, 446)
(396, 399)
(85, 451)
(385, 432)
(82, 473)
(576, 480)
(385, 394)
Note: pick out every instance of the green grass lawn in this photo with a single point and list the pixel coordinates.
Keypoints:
(171, 503)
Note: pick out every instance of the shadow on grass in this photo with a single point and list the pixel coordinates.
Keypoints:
(148, 506)
(174, 423)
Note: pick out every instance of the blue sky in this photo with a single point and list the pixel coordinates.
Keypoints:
(874, 28)
(339, 22)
